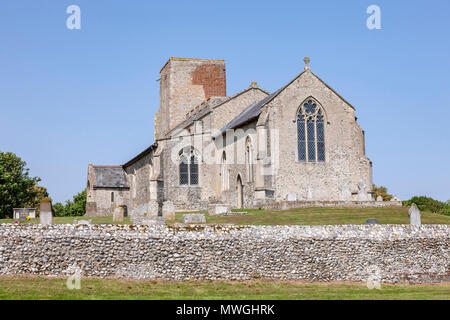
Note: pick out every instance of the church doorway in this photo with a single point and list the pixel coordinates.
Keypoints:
(240, 193)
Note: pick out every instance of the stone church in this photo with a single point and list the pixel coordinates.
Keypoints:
(301, 143)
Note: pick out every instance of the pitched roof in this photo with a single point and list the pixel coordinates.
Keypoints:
(140, 155)
(110, 177)
(208, 106)
(250, 113)
(253, 111)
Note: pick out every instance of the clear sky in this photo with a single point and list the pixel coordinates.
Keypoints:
(73, 97)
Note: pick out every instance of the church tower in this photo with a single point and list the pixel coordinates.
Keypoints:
(184, 84)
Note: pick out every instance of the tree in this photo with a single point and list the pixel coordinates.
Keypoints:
(381, 191)
(76, 207)
(16, 186)
(41, 193)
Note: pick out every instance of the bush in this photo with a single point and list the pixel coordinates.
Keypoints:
(381, 191)
(76, 207)
(429, 204)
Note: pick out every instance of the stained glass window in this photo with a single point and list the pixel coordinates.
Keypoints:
(310, 132)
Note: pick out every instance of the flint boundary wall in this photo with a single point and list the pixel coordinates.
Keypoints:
(396, 253)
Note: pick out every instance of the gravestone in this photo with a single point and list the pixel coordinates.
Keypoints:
(292, 197)
(23, 213)
(414, 215)
(45, 215)
(82, 222)
(346, 194)
(215, 209)
(118, 214)
(379, 199)
(168, 210)
(91, 209)
(362, 194)
(194, 218)
(371, 221)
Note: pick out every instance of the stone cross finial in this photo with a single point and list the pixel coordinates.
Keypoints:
(307, 61)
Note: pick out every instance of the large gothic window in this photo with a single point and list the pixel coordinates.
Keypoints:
(188, 167)
(310, 132)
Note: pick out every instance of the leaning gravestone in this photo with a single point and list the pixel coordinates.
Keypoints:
(194, 218)
(45, 215)
(414, 215)
(118, 214)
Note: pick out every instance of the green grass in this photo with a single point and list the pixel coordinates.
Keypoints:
(321, 216)
(44, 288)
(305, 216)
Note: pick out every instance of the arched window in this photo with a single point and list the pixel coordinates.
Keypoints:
(188, 167)
(112, 196)
(310, 132)
(249, 158)
(224, 172)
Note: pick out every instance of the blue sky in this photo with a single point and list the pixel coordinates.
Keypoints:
(73, 97)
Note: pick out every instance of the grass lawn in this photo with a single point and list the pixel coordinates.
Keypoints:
(305, 216)
(320, 216)
(44, 288)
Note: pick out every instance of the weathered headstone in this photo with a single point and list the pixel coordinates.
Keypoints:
(194, 218)
(153, 221)
(118, 214)
(362, 193)
(346, 194)
(379, 199)
(45, 214)
(82, 222)
(23, 213)
(91, 209)
(168, 210)
(292, 197)
(414, 215)
(371, 221)
(218, 209)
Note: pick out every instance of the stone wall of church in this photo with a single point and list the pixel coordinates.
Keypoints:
(138, 175)
(104, 205)
(186, 197)
(346, 165)
(184, 84)
(225, 112)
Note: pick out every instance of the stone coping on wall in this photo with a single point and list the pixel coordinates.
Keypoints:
(213, 232)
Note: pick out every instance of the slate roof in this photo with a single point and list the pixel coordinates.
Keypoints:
(250, 113)
(110, 177)
(253, 111)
